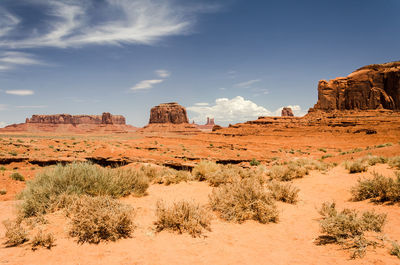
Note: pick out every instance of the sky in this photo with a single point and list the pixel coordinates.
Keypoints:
(233, 60)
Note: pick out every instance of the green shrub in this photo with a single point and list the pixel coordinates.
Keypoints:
(379, 188)
(244, 200)
(254, 162)
(182, 217)
(16, 176)
(284, 192)
(95, 219)
(15, 233)
(46, 191)
(44, 240)
(348, 227)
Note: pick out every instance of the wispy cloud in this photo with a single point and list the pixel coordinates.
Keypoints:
(248, 84)
(146, 84)
(201, 104)
(11, 59)
(20, 92)
(75, 23)
(163, 73)
(31, 107)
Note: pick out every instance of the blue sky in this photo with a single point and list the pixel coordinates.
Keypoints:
(233, 60)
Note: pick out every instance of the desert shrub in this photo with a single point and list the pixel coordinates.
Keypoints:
(44, 240)
(204, 169)
(226, 174)
(244, 200)
(373, 160)
(395, 251)
(395, 162)
(48, 188)
(379, 188)
(357, 166)
(254, 162)
(182, 217)
(95, 219)
(3, 191)
(284, 192)
(348, 227)
(172, 176)
(16, 176)
(15, 233)
(287, 172)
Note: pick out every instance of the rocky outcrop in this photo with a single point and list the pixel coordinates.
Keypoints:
(374, 86)
(105, 118)
(168, 113)
(287, 112)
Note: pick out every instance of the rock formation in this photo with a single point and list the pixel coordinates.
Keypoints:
(287, 112)
(105, 118)
(168, 113)
(208, 126)
(374, 86)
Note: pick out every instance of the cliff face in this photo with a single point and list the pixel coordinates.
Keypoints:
(371, 87)
(287, 112)
(168, 113)
(105, 118)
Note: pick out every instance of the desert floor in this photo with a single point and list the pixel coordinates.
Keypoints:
(290, 241)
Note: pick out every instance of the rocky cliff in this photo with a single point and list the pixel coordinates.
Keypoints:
(374, 86)
(105, 118)
(287, 112)
(168, 113)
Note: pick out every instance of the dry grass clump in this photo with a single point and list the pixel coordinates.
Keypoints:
(395, 251)
(348, 228)
(379, 188)
(373, 160)
(357, 166)
(182, 217)
(44, 240)
(394, 162)
(16, 176)
(15, 233)
(287, 172)
(284, 192)
(204, 169)
(171, 176)
(95, 219)
(48, 189)
(244, 200)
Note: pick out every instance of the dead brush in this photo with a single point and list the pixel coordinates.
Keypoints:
(172, 176)
(288, 172)
(360, 165)
(204, 169)
(284, 192)
(49, 187)
(379, 188)
(42, 239)
(95, 219)
(394, 162)
(244, 200)
(348, 228)
(15, 233)
(182, 217)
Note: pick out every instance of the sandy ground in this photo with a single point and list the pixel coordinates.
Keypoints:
(290, 241)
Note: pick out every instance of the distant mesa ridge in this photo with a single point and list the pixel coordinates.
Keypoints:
(375, 86)
(105, 118)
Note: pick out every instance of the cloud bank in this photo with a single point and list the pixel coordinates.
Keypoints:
(234, 110)
(76, 23)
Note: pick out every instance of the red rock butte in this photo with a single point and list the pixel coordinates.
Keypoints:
(168, 113)
(375, 86)
(287, 112)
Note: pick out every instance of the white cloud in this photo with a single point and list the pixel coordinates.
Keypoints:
(235, 110)
(248, 84)
(146, 84)
(75, 23)
(10, 59)
(163, 73)
(229, 110)
(20, 92)
(2, 124)
(201, 104)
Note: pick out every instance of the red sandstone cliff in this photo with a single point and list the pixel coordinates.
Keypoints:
(168, 113)
(374, 86)
(105, 118)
